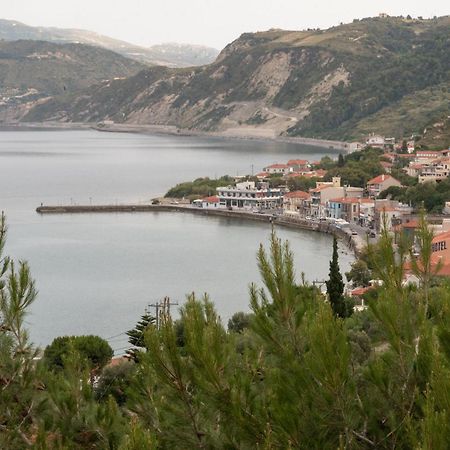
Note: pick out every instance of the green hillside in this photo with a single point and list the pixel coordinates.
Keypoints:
(55, 68)
(333, 84)
(31, 71)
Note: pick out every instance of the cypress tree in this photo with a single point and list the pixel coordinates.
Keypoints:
(335, 285)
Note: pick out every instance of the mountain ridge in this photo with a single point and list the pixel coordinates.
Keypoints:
(167, 54)
(312, 83)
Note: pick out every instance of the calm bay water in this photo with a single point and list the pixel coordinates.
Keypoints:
(96, 273)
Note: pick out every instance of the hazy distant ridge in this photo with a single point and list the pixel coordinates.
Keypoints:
(170, 54)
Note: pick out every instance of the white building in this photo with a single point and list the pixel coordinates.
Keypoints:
(278, 168)
(211, 202)
(250, 195)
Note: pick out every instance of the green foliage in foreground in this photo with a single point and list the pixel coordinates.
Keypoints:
(294, 376)
(201, 187)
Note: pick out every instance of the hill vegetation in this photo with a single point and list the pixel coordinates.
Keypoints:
(391, 72)
(33, 70)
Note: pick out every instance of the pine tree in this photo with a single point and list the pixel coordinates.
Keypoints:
(136, 335)
(335, 285)
(19, 378)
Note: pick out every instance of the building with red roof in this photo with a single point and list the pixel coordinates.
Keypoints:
(297, 202)
(298, 164)
(380, 183)
(277, 168)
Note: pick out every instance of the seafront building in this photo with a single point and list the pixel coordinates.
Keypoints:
(250, 195)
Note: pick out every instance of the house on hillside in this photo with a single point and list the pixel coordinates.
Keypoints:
(435, 171)
(377, 141)
(298, 165)
(413, 170)
(277, 169)
(426, 156)
(380, 183)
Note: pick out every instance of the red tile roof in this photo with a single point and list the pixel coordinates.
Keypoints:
(380, 179)
(212, 199)
(297, 194)
(278, 166)
(297, 162)
(360, 291)
(427, 153)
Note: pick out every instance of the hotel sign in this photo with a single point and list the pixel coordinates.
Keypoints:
(439, 246)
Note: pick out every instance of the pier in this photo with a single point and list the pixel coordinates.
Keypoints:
(279, 220)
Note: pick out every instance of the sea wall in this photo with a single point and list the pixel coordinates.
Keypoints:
(278, 220)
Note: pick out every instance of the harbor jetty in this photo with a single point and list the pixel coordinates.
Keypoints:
(278, 219)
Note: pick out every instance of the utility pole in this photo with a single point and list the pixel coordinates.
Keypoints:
(320, 284)
(162, 310)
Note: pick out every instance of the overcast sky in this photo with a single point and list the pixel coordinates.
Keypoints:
(209, 22)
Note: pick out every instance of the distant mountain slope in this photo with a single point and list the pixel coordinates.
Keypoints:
(33, 70)
(171, 54)
(328, 84)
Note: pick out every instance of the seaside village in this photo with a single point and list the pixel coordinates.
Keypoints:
(357, 212)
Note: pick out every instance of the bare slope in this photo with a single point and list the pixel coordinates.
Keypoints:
(309, 83)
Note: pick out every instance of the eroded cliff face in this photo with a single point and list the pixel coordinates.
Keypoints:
(309, 83)
(240, 91)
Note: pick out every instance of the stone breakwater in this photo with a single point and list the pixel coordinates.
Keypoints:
(278, 220)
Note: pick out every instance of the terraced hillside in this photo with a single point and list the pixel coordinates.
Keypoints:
(334, 83)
